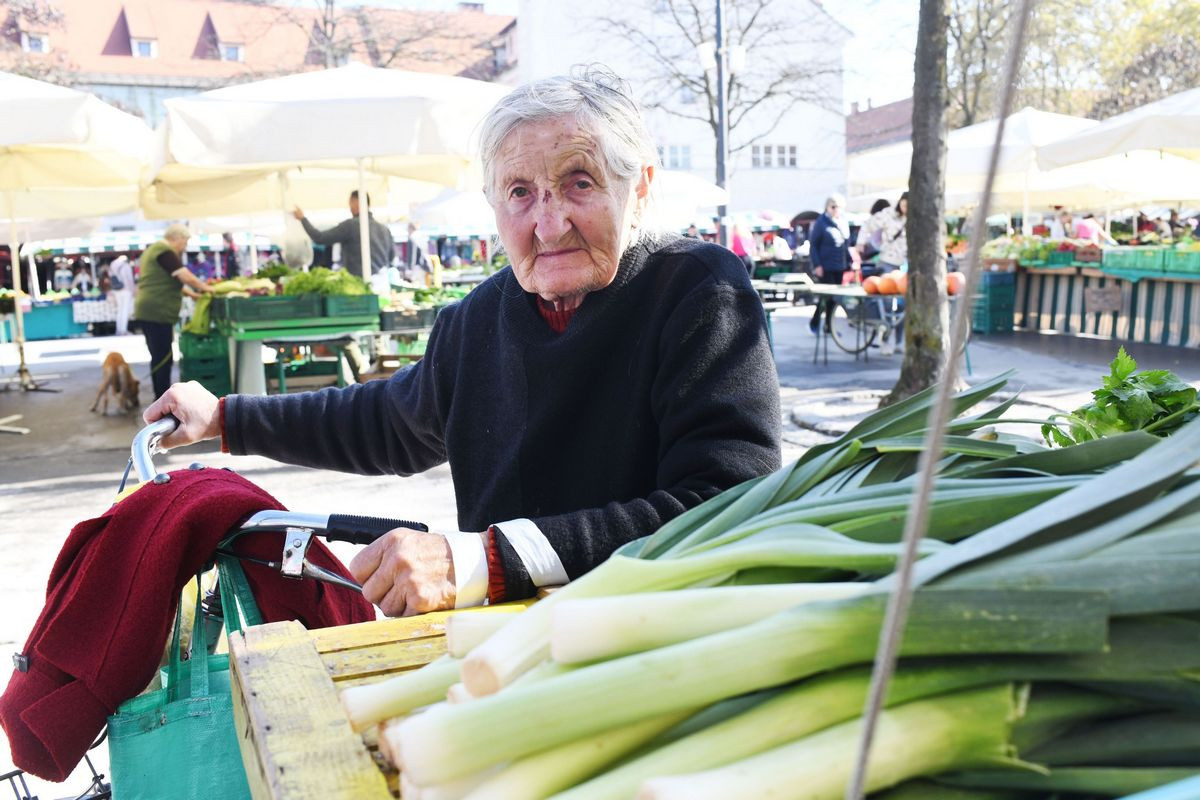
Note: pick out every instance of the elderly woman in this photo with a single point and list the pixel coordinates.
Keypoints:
(608, 381)
(829, 252)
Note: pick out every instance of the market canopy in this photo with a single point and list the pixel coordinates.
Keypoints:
(66, 154)
(1020, 183)
(63, 155)
(231, 149)
(1169, 126)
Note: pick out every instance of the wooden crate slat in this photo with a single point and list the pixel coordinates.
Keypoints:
(383, 658)
(296, 740)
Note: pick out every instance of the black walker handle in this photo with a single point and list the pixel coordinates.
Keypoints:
(364, 530)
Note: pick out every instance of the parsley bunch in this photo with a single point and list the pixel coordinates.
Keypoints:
(1154, 400)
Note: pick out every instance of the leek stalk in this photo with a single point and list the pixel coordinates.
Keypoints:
(372, 703)
(457, 740)
(606, 627)
(961, 730)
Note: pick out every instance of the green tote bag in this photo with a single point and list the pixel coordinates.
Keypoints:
(180, 742)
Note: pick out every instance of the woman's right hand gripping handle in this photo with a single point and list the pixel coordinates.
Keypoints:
(197, 410)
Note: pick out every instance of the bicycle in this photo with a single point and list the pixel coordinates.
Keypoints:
(855, 323)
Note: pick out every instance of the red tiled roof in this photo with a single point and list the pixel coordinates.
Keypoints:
(878, 126)
(94, 37)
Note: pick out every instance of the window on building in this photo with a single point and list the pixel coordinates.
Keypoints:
(144, 48)
(232, 52)
(35, 43)
(675, 156)
(773, 155)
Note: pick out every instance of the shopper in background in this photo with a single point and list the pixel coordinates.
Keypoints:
(829, 251)
(120, 278)
(229, 260)
(1089, 230)
(1062, 226)
(164, 281)
(347, 234)
(870, 236)
(741, 242)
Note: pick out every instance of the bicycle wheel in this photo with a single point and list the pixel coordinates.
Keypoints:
(849, 327)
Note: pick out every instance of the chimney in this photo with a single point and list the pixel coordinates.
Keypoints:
(854, 107)
(869, 106)
(468, 6)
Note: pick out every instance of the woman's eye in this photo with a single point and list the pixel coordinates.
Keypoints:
(519, 192)
(583, 183)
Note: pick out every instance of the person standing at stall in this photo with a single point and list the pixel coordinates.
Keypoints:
(164, 281)
(346, 233)
(829, 252)
(120, 276)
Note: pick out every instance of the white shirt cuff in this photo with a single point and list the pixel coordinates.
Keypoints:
(469, 555)
(541, 562)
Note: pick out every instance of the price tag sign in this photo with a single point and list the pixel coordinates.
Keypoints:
(1102, 301)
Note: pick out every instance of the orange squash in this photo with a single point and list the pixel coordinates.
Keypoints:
(901, 281)
(887, 284)
(871, 285)
(955, 282)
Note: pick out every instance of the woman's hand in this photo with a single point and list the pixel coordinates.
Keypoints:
(406, 572)
(819, 271)
(197, 410)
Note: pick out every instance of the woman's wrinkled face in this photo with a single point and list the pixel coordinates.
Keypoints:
(563, 218)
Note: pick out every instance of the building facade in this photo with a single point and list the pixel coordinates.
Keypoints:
(137, 53)
(788, 152)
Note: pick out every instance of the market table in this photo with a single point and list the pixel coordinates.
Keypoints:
(246, 339)
(1155, 308)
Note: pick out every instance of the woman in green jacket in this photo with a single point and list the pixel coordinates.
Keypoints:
(162, 282)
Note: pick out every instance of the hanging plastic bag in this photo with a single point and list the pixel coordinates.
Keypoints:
(297, 247)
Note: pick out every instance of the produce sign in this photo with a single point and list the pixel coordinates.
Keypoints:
(726, 655)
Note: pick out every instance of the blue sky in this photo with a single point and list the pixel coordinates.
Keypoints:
(879, 58)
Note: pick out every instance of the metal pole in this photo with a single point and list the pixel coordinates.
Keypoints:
(26, 380)
(722, 121)
(364, 231)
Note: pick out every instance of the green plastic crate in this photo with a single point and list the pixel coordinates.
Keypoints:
(992, 320)
(1140, 259)
(361, 305)
(194, 346)
(1060, 258)
(267, 308)
(1182, 261)
(408, 319)
(211, 373)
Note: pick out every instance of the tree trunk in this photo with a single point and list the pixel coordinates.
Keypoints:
(927, 319)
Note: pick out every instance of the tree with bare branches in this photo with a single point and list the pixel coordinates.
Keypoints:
(776, 75)
(338, 32)
(926, 318)
(33, 16)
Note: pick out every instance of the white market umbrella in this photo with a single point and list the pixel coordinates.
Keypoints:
(1020, 183)
(1170, 125)
(215, 147)
(64, 154)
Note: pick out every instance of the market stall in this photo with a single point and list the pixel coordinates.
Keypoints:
(1054, 625)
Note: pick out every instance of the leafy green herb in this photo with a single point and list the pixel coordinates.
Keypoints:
(325, 281)
(1154, 400)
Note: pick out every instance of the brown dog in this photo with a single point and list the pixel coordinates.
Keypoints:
(117, 379)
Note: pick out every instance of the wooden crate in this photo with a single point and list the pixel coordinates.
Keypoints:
(295, 739)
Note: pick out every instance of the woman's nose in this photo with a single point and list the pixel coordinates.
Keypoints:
(552, 221)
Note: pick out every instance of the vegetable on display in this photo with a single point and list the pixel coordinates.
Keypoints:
(1053, 651)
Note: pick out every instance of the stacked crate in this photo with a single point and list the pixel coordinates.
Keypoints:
(992, 310)
(205, 360)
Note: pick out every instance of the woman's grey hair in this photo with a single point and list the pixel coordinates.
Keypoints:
(176, 232)
(835, 199)
(596, 98)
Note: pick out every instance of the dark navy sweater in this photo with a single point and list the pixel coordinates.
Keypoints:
(661, 392)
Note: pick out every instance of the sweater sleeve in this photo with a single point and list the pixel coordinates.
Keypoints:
(814, 242)
(338, 233)
(375, 428)
(716, 402)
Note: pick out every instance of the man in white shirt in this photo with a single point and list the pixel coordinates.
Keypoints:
(120, 274)
(1061, 227)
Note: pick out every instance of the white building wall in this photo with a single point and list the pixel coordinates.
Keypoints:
(554, 35)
